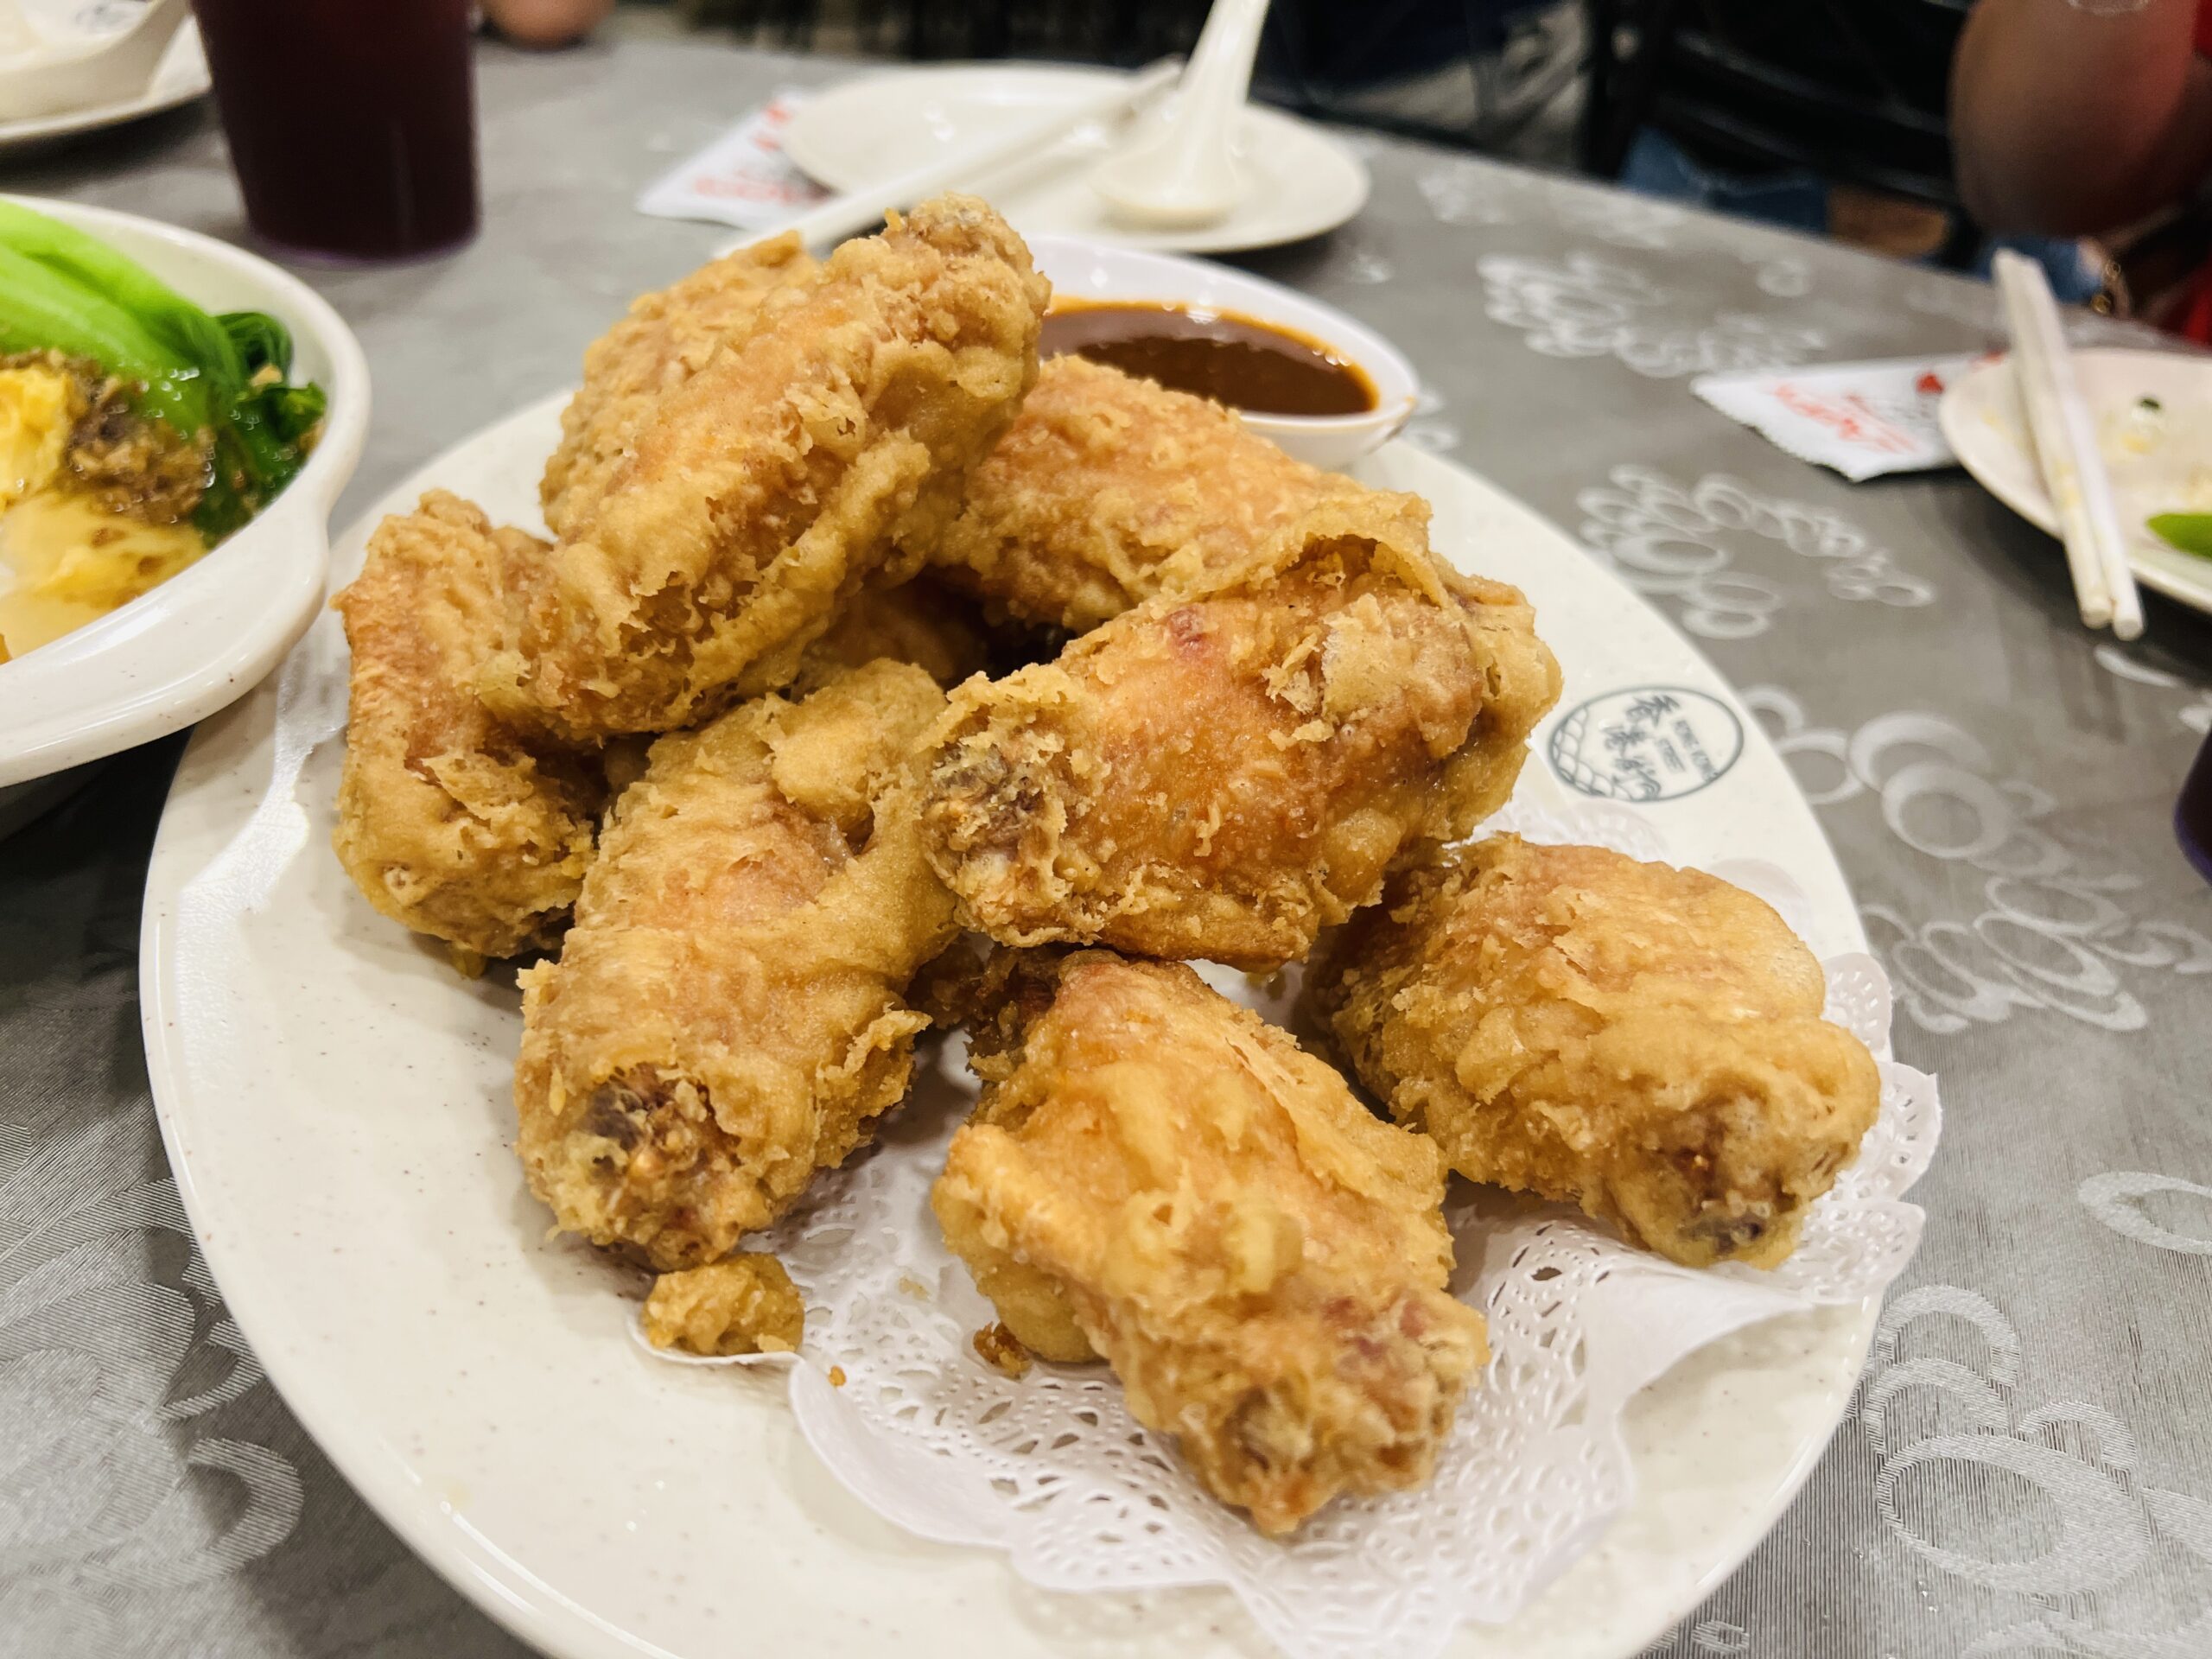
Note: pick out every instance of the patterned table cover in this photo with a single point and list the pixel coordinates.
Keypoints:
(2026, 1469)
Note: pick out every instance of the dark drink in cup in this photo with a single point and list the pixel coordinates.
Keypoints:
(352, 122)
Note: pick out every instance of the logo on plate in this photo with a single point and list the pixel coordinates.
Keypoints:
(1655, 743)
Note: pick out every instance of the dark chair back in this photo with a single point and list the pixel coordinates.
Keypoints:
(1854, 89)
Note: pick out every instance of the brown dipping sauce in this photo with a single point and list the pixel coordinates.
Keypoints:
(1235, 360)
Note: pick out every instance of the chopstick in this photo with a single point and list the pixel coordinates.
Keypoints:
(858, 210)
(2065, 444)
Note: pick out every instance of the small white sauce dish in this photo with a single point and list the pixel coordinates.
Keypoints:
(208, 635)
(1091, 270)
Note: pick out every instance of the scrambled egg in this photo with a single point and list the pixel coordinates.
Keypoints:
(35, 414)
(63, 561)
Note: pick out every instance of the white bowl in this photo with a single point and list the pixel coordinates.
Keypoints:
(1092, 271)
(206, 636)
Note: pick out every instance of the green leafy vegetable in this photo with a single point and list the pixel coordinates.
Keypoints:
(217, 380)
(2191, 533)
(263, 342)
(265, 437)
(194, 335)
(40, 312)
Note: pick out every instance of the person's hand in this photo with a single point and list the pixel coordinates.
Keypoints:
(546, 23)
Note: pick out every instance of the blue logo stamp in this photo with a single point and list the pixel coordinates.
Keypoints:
(1654, 743)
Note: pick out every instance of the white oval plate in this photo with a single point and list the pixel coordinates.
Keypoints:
(336, 1108)
(206, 635)
(181, 77)
(1982, 420)
(1304, 181)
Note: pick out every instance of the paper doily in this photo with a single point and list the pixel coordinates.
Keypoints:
(1053, 1470)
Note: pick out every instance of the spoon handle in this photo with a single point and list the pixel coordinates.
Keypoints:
(1181, 168)
(1220, 72)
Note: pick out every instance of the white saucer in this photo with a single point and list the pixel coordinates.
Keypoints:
(1981, 419)
(1303, 180)
(182, 77)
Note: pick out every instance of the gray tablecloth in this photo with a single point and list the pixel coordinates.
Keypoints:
(2026, 1470)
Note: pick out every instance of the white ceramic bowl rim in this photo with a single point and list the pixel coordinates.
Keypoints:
(208, 635)
(1127, 273)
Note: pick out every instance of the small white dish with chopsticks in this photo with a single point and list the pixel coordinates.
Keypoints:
(1299, 181)
(2152, 415)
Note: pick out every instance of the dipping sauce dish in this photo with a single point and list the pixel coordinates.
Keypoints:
(1326, 388)
(1260, 367)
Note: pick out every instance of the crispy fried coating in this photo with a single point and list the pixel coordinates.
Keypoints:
(1643, 1041)
(826, 449)
(1222, 777)
(941, 633)
(745, 1305)
(727, 1014)
(1001, 1350)
(666, 337)
(449, 820)
(1155, 1175)
(1109, 489)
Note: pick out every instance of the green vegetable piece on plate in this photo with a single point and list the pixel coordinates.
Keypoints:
(2191, 533)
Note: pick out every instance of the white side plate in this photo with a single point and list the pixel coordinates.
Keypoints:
(1982, 421)
(1303, 180)
(336, 1106)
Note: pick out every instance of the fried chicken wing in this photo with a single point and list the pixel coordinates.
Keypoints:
(1109, 489)
(941, 633)
(450, 820)
(727, 1014)
(1643, 1041)
(826, 449)
(667, 338)
(1155, 1176)
(1223, 776)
